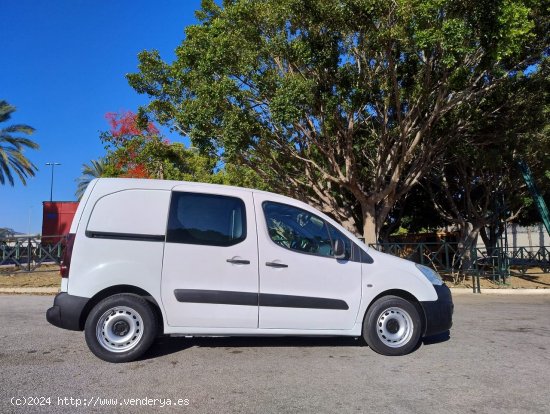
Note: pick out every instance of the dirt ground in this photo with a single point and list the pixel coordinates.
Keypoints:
(45, 276)
(535, 278)
(48, 276)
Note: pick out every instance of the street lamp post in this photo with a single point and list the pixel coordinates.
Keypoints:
(53, 164)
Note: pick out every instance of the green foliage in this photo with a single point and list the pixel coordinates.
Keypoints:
(240, 176)
(12, 147)
(344, 103)
(135, 149)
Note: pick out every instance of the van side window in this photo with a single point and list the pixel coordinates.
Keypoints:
(206, 219)
(296, 229)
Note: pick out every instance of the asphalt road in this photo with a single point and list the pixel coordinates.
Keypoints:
(496, 360)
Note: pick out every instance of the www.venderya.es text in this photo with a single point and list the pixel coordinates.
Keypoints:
(98, 402)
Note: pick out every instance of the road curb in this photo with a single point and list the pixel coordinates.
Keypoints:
(40, 290)
(462, 291)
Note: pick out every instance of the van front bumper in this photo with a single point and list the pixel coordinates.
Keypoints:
(67, 311)
(439, 313)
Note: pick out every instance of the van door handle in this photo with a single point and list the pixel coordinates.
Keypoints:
(238, 261)
(275, 264)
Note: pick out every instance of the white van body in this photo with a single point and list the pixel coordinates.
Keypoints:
(161, 240)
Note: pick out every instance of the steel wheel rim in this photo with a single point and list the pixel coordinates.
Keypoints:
(119, 329)
(394, 327)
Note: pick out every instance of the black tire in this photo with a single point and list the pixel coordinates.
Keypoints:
(121, 328)
(392, 326)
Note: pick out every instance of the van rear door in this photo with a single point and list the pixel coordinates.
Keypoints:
(210, 269)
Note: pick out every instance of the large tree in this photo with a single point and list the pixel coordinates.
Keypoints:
(477, 185)
(12, 147)
(338, 102)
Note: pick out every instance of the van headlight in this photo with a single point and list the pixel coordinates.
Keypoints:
(431, 275)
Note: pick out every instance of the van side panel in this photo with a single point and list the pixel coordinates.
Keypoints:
(120, 242)
(130, 212)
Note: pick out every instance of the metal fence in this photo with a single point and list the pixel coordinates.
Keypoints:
(30, 252)
(497, 263)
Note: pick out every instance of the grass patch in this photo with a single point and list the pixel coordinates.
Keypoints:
(47, 276)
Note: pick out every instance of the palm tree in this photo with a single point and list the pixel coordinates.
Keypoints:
(12, 147)
(89, 172)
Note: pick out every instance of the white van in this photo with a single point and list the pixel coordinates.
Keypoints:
(149, 257)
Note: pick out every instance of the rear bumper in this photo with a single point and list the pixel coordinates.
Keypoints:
(67, 311)
(439, 313)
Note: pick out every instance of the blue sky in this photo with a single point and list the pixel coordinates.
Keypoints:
(63, 66)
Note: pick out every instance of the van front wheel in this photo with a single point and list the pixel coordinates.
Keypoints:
(120, 328)
(392, 326)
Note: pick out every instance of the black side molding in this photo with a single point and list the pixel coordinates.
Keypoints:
(125, 236)
(222, 297)
(304, 302)
(219, 297)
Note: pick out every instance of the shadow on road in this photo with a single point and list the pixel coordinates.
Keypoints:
(169, 345)
(436, 339)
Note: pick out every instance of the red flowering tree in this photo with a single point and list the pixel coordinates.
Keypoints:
(130, 145)
(136, 149)
(126, 126)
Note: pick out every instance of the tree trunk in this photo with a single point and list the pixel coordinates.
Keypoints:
(370, 232)
(490, 235)
(466, 245)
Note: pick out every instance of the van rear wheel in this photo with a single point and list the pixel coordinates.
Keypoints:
(121, 328)
(392, 326)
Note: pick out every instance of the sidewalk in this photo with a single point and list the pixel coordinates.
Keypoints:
(31, 291)
(503, 291)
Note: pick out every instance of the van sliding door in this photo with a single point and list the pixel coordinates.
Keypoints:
(210, 269)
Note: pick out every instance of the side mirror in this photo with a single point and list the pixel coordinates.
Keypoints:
(339, 249)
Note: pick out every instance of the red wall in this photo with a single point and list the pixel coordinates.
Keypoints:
(57, 218)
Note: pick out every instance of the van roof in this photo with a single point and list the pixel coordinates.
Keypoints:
(147, 183)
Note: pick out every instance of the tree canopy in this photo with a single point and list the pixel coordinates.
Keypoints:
(343, 103)
(477, 184)
(135, 148)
